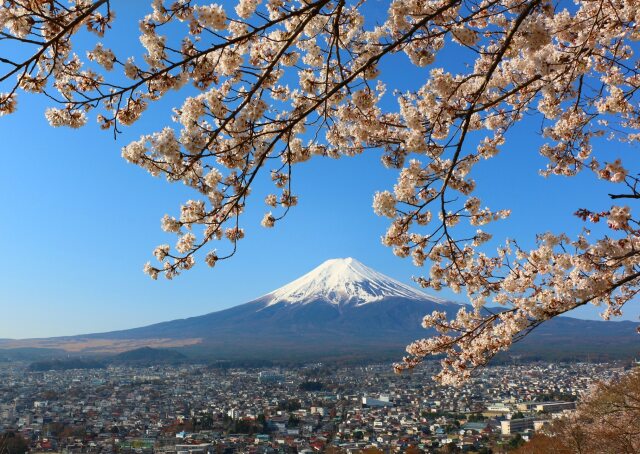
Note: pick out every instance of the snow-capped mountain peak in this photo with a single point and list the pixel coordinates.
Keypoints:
(340, 281)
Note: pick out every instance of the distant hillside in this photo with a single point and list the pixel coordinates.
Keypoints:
(150, 355)
(31, 354)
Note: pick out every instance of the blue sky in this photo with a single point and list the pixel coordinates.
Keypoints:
(79, 222)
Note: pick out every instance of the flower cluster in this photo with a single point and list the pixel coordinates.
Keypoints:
(285, 81)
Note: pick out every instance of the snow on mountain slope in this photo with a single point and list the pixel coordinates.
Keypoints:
(344, 281)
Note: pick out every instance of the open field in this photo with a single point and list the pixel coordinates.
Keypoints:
(85, 345)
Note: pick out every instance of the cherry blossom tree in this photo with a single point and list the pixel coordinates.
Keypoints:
(283, 81)
(605, 422)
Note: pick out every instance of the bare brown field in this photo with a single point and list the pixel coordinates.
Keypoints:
(78, 345)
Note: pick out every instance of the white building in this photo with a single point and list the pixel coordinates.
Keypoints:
(512, 426)
(382, 401)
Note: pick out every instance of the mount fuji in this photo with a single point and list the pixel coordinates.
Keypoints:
(341, 309)
(344, 282)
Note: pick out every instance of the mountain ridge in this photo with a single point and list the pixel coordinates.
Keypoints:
(339, 308)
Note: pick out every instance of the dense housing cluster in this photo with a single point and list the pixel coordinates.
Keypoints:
(316, 408)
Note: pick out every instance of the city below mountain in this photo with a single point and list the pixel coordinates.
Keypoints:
(341, 310)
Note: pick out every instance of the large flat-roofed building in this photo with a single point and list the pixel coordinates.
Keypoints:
(552, 407)
(512, 426)
(270, 377)
(526, 406)
(202, 448)
(382, 401)
(498, 407)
